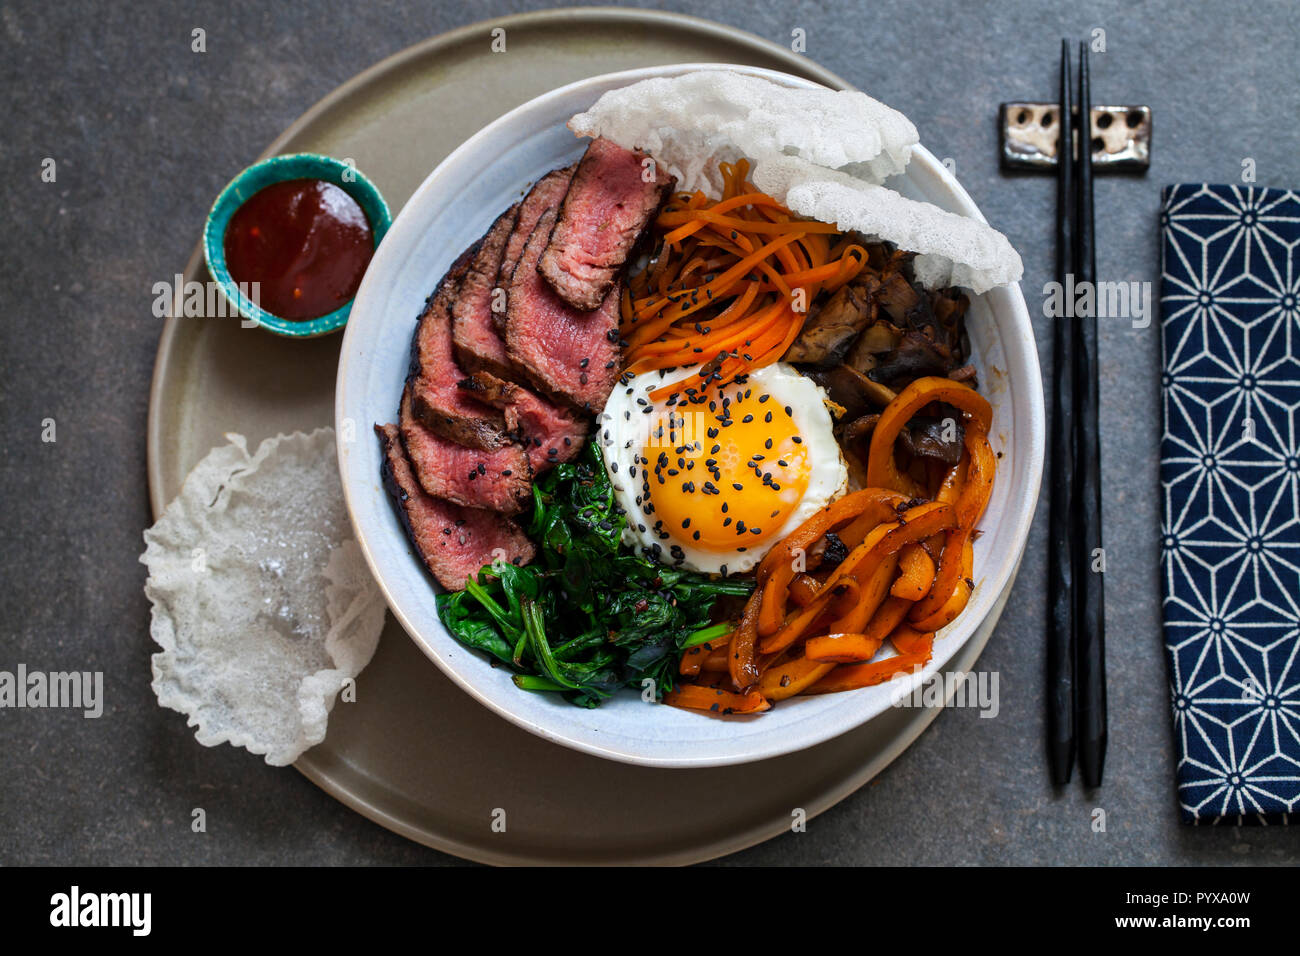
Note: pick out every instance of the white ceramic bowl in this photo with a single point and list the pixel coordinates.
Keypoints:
(452, 208)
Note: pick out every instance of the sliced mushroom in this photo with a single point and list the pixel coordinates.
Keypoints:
(916, 356)
(964, 374)
(853, 391)
(861, 428)
(938, 438)
(875, 341)
(833, 327)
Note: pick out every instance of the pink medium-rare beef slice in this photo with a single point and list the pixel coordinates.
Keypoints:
(434, 372)
(453, 542)
(475, 337)
(545, 195)
(549, 433)
(499, 479)
(613, 196)
(568, 354)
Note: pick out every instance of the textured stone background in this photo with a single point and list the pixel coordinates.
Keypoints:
(145, 135)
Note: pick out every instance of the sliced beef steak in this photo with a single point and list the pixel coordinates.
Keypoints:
(550, 434)
(547, 194)
(499, 479)
(474, 334)
(453, 542)
(568, 354)
(435, 399)
(603, 215)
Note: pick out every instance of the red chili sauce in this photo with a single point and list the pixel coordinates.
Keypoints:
(306, 241)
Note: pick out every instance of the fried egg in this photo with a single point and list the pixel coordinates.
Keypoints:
(712, 483)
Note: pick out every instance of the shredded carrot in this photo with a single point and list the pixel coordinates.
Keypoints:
(743, 265)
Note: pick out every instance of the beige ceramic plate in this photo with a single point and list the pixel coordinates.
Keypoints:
(415, 753)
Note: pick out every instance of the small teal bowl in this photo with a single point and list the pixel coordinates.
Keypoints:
(277, 169)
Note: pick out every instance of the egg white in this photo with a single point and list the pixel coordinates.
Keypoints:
(624, 430)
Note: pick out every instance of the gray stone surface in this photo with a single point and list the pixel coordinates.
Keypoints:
(145, 134)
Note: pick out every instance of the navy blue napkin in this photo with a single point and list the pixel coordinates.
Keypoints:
(1230, 475)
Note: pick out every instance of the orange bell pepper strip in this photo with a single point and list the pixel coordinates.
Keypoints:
(743, 650)
(716, 700)
(946, 577)
(718, 661)
(882, 471)
(777, 569)
(694, 657)
(977, 486)
(848, 593)
(854, 676)
(916, 574)
(803, 588)
(691, 662)
(958, 596)
(872, 517)
(914, 524)
(870, 597)
(887, 619)
(792, 677)
(841, 648)
(908, 640)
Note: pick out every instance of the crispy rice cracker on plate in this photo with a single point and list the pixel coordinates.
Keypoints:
(262, 602)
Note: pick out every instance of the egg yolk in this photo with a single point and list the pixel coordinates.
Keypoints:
(722, 475)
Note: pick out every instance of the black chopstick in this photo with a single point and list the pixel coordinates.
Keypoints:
(1090, 622)
(1060, 558)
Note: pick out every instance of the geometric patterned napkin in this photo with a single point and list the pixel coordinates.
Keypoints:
(1230, 476)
